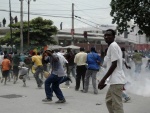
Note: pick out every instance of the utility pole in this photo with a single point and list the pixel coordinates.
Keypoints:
(10, 26)
(72, 30)
(21, 26)
(28, 22)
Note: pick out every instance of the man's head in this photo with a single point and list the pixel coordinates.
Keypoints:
(15, 52)
(33, 53)
(81, 49)
(5, 52)
(38, 53)
(68, 50)
(123, 49)
(135, 51)
(109, 36)
(5, 56)
(56, 50)
(49, 52)
(93, 49)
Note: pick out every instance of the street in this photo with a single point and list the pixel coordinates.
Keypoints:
(14, 98)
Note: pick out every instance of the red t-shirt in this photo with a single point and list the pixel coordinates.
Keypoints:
(5, 64)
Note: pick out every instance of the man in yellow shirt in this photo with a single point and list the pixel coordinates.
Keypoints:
(37, 60)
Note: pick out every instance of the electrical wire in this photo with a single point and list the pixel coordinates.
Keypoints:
(86, 20)
(35, 14)
(87, 24)
(86, 14)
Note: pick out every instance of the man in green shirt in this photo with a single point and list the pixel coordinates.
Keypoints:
(137, 58)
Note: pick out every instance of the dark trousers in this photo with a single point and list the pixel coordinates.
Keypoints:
(52, 83)
(63, 79)
(39, 70)
(81, 70)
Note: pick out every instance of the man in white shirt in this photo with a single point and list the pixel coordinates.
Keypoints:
(115, 74)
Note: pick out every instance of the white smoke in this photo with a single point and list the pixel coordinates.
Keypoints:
(139, 84)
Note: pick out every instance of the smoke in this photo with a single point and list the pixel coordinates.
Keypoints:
(139, 84)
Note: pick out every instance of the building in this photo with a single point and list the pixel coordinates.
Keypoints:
(94, 37)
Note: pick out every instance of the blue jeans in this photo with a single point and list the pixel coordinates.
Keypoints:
(64, 79)
(52, 82)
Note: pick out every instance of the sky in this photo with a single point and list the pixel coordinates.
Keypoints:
(91, 12)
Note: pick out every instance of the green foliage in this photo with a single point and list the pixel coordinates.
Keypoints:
(138, 11)
(41, 32)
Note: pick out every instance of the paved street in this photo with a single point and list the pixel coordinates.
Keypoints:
(29, 100)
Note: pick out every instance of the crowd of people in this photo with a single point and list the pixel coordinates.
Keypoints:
(81, 66)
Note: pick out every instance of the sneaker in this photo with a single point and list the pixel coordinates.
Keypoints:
(83, 91)
(40, 85)
(96, 92)
(28, 77)
(127, 99)
(14, 82)
(24, 85)
(61, 101)
(76, 89)
(47, 100)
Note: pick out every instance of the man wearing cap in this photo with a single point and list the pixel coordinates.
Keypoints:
(115, 74)
(53, 81)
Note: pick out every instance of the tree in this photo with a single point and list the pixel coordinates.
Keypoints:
(41, 32)
(124, 11)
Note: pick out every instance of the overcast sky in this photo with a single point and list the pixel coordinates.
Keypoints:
(92, 12)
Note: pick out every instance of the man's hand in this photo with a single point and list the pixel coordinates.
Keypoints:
(101, 84)
(128, 67)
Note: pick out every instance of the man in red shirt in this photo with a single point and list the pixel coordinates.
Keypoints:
(5, 68)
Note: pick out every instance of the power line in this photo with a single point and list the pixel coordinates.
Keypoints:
(36, 14)
(51, 10)
(54, 15)
(74, 10)
(87, 14)
(86, 20)
(87, 24)
(93, 9)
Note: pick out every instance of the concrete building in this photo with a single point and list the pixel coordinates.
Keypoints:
(95, 38)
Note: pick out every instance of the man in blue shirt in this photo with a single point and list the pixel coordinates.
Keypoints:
(93, 61)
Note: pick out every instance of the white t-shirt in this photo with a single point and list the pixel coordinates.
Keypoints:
(114, 53)
(63, 61)
(62, 58)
